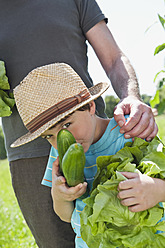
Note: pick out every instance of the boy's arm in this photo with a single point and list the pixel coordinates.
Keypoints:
(141, 192)
(64, 196)
(63, 209)
(124, 82)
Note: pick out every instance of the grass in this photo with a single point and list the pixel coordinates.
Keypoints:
(14, 232)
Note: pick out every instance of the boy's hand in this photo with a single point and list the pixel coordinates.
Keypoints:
(60, 190)
(140, 192)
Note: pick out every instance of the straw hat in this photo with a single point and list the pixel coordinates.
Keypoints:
(48, 94)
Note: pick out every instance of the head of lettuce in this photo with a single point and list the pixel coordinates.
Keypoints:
(105, 223)
(6, 99)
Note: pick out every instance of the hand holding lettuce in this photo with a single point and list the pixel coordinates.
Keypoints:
(104, 221)
(6, 100)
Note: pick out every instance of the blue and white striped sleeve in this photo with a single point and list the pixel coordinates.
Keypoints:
(47, 179)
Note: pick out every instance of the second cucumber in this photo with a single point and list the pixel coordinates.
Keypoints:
(73, 164)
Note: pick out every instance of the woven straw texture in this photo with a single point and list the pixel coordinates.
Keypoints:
(45, 87)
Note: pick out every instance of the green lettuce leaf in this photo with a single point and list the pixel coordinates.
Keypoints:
(4, 109)
(6, 104)
(6, 100)
(4, 84)
(159, 241)
(105, 222)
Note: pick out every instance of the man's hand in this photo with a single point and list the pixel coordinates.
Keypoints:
(141, 122)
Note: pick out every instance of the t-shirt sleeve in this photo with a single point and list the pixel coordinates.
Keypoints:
(47, 179)
(90, 14)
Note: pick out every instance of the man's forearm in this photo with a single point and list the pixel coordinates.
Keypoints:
(123, 78)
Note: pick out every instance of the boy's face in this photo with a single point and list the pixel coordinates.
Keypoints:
(82, 124)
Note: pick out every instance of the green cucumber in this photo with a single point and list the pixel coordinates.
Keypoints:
(73, 163)
(64, 140)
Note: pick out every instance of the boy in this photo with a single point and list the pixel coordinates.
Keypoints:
(53, 97)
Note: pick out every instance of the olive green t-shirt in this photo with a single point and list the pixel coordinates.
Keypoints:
(40, 32)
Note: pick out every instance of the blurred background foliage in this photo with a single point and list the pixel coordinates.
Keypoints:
(14, 231)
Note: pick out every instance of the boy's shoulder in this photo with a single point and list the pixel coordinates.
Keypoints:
(113, 131)
(113, 123)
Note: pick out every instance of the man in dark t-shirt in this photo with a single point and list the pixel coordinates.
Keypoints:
(40, 32)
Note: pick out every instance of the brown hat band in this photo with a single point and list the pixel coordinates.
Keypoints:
(56, 110)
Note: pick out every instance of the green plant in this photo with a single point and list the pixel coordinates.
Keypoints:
(160, 120)
(146, 99)
(6, 99)
(159, 99)
(105, 222)
(110, 102)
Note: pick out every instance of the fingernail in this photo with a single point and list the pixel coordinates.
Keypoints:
(80, 185)
(122, 131)
(120, 123)
(127, 136)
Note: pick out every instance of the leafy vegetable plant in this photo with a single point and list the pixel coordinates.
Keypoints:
(159, 100)
(6, 100)
(105, 222)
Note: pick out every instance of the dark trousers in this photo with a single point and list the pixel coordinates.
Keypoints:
(36, 204)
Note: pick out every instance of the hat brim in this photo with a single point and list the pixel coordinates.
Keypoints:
(95, 92)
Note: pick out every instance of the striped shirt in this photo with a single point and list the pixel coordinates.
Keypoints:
(111, 142)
